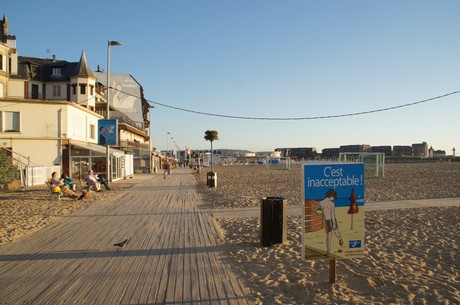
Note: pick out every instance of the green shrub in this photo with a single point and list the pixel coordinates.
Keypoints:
(8, 171)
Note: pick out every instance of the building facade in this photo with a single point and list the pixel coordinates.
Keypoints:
(420, 149)
(50, 110)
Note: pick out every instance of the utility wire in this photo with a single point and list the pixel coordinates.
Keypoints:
(298, 118)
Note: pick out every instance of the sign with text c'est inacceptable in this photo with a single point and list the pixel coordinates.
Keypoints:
(333, 210)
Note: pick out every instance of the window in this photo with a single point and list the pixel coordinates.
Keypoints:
(56, 90)
(74, 89)
(83, 89)
(57, 72)
(1, 62)
(91, 88)
(34, 69)
(11, 121)
(92, 131)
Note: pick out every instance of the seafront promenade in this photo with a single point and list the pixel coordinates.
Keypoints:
(172, 255)
(176, 253)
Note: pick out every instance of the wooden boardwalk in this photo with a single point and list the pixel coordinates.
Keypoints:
(172, 256)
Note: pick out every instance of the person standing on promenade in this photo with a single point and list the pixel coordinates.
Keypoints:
(166, 169)
(327, 206)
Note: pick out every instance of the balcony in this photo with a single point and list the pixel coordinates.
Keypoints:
(133, 144)
(122, 119)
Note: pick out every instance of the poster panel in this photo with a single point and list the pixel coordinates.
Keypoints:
(333, 210)
(107, 131)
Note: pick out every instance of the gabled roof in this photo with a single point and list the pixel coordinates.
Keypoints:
(41, 69)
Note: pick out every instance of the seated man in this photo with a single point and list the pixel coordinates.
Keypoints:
(55, 181)
(94, 179)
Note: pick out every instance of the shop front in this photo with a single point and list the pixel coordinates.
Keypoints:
(80, 157)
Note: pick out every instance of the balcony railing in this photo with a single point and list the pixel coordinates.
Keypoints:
(121, 118)
(124, 119)
(133, 144)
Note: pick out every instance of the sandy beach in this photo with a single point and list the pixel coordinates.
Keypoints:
(24, 212)
(244, 186)
(412, 255)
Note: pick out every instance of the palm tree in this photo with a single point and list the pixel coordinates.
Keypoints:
(211, 135)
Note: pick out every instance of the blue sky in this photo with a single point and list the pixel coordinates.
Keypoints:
(268, 59)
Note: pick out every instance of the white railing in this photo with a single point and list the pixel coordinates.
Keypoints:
(38, 175)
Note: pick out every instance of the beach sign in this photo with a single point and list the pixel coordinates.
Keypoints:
(333, 210)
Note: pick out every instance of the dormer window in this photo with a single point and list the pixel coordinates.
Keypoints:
(57, 72)
(34, 69)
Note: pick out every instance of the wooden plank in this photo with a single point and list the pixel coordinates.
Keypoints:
(140, 271)
(173, 256)
(118, 274)
(180, 273)
(154, 256)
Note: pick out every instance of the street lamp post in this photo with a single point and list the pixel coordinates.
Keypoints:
(109, 44)
(167, 143)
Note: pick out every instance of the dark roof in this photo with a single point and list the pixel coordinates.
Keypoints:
(83, 69)
(41, 69)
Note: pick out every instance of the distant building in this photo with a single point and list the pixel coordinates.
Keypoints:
(420, 150)
(329, 153)
(298, 153)
(355, 148)
(440, 153)
(402, 150)
(382, 149)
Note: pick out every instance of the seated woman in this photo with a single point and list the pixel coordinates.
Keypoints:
(68, 182)
(55, 181)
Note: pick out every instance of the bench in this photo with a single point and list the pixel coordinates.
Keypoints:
(84, 184)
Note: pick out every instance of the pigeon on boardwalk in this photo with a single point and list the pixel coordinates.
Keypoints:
(121, 244)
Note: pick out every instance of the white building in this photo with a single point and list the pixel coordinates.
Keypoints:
(49, 112)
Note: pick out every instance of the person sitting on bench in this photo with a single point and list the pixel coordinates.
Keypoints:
(68, 182)
(94, 179)
(55, 181)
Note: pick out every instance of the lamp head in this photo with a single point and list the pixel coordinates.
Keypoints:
(114, 43)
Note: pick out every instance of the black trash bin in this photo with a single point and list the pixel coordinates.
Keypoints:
(273, 221)
(211, 179)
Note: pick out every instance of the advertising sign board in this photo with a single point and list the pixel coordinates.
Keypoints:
(333, 211)
(107, 131)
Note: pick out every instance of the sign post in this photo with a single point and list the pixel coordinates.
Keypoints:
(107, 135)
(333, 212)
(332, 270)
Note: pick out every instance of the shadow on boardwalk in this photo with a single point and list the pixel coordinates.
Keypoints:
(171, 256)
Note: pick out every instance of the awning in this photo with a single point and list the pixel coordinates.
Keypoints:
(96, 149)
